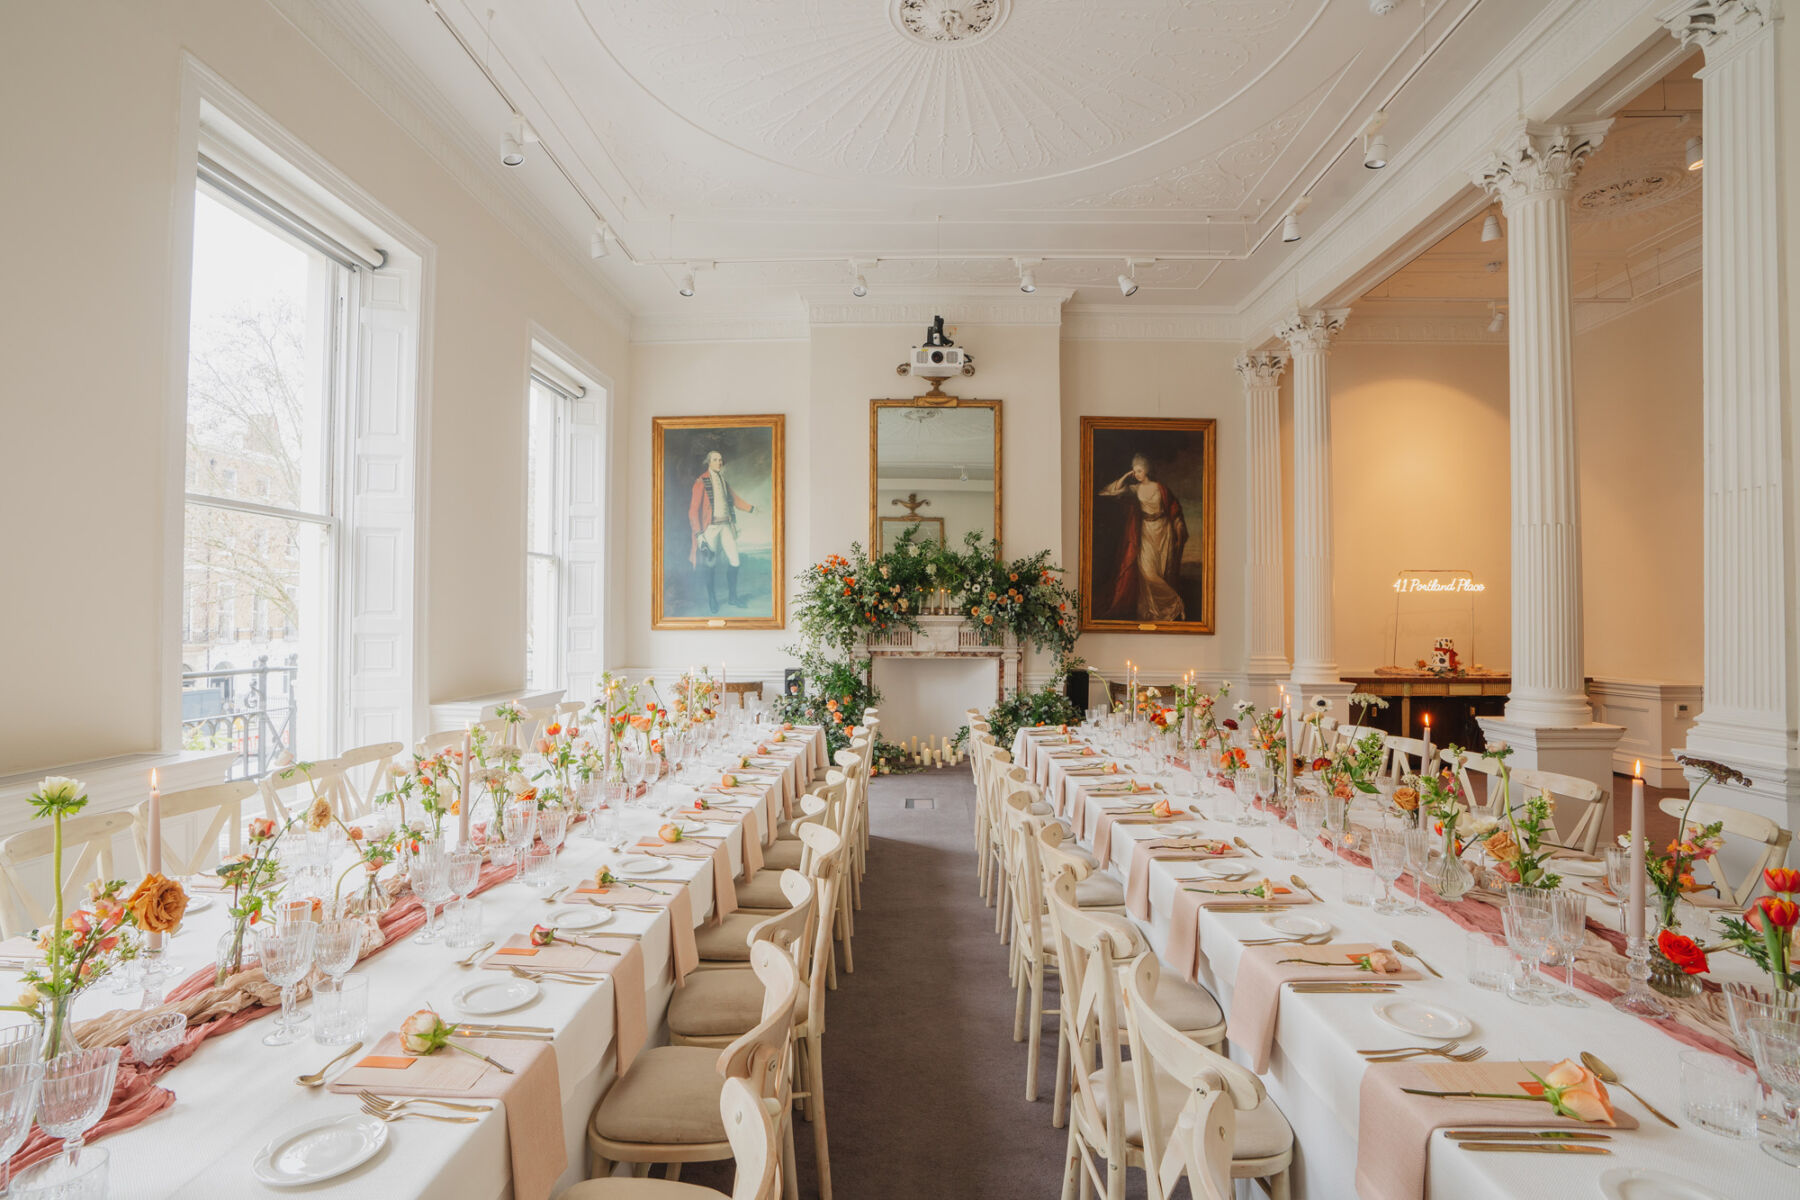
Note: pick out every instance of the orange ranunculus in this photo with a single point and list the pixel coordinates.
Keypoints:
(1785, 880)
(1574, 1091)
(552, 729)
(158, 904)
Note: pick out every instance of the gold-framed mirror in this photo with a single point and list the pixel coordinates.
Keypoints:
(935, 466)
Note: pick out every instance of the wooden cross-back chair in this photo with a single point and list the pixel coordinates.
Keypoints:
(1738, 823)
(1465, 768)
(25, 902)
(431, 743)
(217, 810)
(1406, 756)
(1199, 1114)
(363, 774)
(1577, 805)
(288, 791)
(753, 1137)
(743, 689)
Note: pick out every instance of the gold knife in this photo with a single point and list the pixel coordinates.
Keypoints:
(1534, 1147)
(1524, 1135)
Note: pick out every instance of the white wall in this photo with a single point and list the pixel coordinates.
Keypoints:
(91, 321)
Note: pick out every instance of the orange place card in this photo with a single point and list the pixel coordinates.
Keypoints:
(525, 951)
(387, 1062)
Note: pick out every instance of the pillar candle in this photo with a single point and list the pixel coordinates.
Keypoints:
(154, 848)
(462, 803)
(1430, 752)
(1634, 915)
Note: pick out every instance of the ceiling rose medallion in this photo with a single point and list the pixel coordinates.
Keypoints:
(948, 22)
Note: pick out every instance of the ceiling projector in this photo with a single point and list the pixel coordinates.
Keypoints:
(937, 357)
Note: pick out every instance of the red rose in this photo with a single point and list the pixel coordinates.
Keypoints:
(1785, 880)
(1684, 952)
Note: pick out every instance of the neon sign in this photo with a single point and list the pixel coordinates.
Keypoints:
(1404, 584)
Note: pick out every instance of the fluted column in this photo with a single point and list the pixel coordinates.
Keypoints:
(1533, 175)
(1752, 669)
(1265, 649)
(1308, 334)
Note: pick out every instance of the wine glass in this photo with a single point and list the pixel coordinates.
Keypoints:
(77, 1087)
(521, 824)
(1568, 929)
(465, 872)
(1528, 934)
(1264, 785)
(430, 877)
(1418, 855)
(286, 958)
(1387, 852)
(336, 946)
(1775, 1045)
(21, 1044)
(1309, 818)
(553, 826)
(19, 1085)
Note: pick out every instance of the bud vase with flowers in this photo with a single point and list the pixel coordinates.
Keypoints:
(81, 948)
(1440, 799)
(1516, 841)
(1676, 959)
(251, 878)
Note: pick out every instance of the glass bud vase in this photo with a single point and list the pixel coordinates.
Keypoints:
(59, 1026)
(1669, 979)
(1448, 877)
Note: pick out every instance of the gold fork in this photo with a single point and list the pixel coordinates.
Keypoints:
(1462, 1056)
(388, 1116)
(397, 1103)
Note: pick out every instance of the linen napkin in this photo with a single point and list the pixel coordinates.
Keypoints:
(1137, 876)
(1182, 950)
(531, 1096)
(1394, 1130)
(724, 888)
(631, 1027)
(1260, 974)
(685, 951)
(1103, 828)
(517, 951)
(1230, 895)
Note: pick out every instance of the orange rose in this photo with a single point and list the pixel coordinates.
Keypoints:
(1501, 845)
(669, 833)
(1406, 798)
(158, 904)
(1574, 1091)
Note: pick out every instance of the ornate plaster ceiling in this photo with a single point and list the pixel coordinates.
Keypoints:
(934, 141)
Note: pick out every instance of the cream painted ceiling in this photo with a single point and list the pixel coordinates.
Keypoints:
(935, 141)
(1634, 221)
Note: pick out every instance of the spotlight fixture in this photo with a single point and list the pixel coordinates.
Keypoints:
(687, 284)
(597, 246)
(1290, 227)
(1490, 228)
(1696, 157)
(1128, 279)
(1497, 320)
(1027, 275)
(962, 474)
(1375, 151)
(512, 142)
(859, 285)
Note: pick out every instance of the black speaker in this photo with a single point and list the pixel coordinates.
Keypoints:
(1075, 687)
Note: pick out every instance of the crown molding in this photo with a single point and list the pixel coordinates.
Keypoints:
(1445, 330)
(365, 54)
(660, 328)
(1000, 305)
(1150, 323)
(1678, 267)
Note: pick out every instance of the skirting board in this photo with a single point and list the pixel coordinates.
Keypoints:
(1655, 716)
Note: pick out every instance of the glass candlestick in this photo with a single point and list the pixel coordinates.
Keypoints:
(1638, 998)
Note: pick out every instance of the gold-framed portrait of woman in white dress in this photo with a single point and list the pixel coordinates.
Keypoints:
(1148, 486)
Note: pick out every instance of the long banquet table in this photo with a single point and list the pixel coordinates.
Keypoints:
(1315, 1072)
(235, 1093)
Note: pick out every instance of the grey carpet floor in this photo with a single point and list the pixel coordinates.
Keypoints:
(925, 1088)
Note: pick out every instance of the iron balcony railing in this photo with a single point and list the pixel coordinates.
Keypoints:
(236, 709)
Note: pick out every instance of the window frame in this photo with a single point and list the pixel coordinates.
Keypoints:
(563, 394)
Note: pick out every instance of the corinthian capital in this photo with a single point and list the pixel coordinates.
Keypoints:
(1704, 23)
(1538, 159)
(1311, 329)
(1261, 369)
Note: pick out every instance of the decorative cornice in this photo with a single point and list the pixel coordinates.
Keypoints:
(1705, 23)
(652, 328)
(1538, 160)
(355, 45)
(1261, 369)
(1144, 323)
(1376, 327)
(1311, 330)
(915, 306)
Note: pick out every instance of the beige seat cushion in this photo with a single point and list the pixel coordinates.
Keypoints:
(726, 939)
(1099, 891)
(1187, 1006)
(764, 893)
(716, 1004)
(783, 855)
(1261, 1133)
(621, 1188)
(669, 1096)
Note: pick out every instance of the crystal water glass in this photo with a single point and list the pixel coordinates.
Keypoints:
(1568, 930)
(1719, 1095)
(286, 958)
(21, 1044)
(553, 826)
(1387, 853)
(65, 1179)
(430, 877)
(19, 1085)
(1263, 787)
(337, 945)
(1419, 843)
(540, 866)
(1618, 870)
(343, 1006)
(521, 823)
(1527, 934)
(76, 1089)
(1309, 818)
(1775, 1045)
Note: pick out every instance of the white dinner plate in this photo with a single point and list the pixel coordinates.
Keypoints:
(1297, 924)
(1582, 867)
(578, 916)
(1642, 1183)
(197, 902)
(1423, 1020)
(641, 864)
(1222, 869)
(492, 996)
(320, 1150)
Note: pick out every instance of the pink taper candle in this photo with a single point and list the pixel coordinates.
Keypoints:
(154, 844)
(1430, 750)
(462, 806)
(1634, 915)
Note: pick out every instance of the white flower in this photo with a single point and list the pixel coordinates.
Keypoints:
(931, 569)
(1244, 707)
(60, 789)
(1485, 826)
(1496, 747)
(517, 784)
(1321, 703)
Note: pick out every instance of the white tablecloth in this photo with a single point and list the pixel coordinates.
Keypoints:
(235, 1093)
(1314, 1071)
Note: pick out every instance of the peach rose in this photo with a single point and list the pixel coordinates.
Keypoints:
(1162, 808)
(158, 904)
(318, 816)
(669, 833)
(1503, 846)
(1384, 962)
(1574, 1091)
(423, 1032)
(1406, 798)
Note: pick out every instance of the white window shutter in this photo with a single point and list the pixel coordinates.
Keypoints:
(378, 593)
(583, 589)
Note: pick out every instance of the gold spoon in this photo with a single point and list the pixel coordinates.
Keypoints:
(317, 1078)
(1608, 1075)
(1402, 948)
(475, 954)
(1305, 887)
